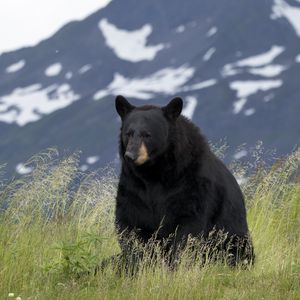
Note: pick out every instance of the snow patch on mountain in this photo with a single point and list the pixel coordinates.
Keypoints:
(281, 9)
(269, 97)
(261, 59)
(129, 45)
(212, 31)
(207, 56)
(189, 110)
(239, 105)
(268, 71)
(69, 75)
(248, 88)
(257, 60)
(198, 86)
(249, 112)
(258, 64)
(53, 70)
(29, 104)
(180, 29)
(166, 81)
(245, 89)
(229, 70)
(84, 69)
(16, 66)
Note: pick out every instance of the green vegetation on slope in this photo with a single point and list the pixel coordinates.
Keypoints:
(53, 232)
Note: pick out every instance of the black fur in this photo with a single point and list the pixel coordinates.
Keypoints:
(182, 189)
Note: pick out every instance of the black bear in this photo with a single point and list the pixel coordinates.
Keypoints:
(172, 186)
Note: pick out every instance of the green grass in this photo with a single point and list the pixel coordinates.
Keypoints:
(51, 234)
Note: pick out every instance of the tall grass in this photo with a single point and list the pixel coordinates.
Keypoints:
(57, 224)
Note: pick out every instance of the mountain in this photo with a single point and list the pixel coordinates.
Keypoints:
(235, 63)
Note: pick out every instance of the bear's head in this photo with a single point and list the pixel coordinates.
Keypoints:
(145, 130)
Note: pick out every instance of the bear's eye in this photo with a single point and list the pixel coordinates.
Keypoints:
(146, 135)
(129, 133)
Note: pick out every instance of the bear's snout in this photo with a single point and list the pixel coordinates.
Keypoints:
(130, 156)
(143, 155)
(132, 150)
(139, 155)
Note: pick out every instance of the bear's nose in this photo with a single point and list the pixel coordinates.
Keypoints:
(129, 155)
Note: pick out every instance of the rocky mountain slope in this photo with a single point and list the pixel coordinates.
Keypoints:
(235, 63)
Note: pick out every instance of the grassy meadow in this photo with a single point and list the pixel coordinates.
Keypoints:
(57, 224)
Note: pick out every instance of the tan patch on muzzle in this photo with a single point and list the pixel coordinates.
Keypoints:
(143, 155)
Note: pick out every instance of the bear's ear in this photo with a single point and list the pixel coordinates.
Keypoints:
(123, 107)
(173, 109)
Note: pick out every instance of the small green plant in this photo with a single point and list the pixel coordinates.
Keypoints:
(76, 258)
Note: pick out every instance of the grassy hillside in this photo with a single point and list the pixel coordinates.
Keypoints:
(56, 224)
